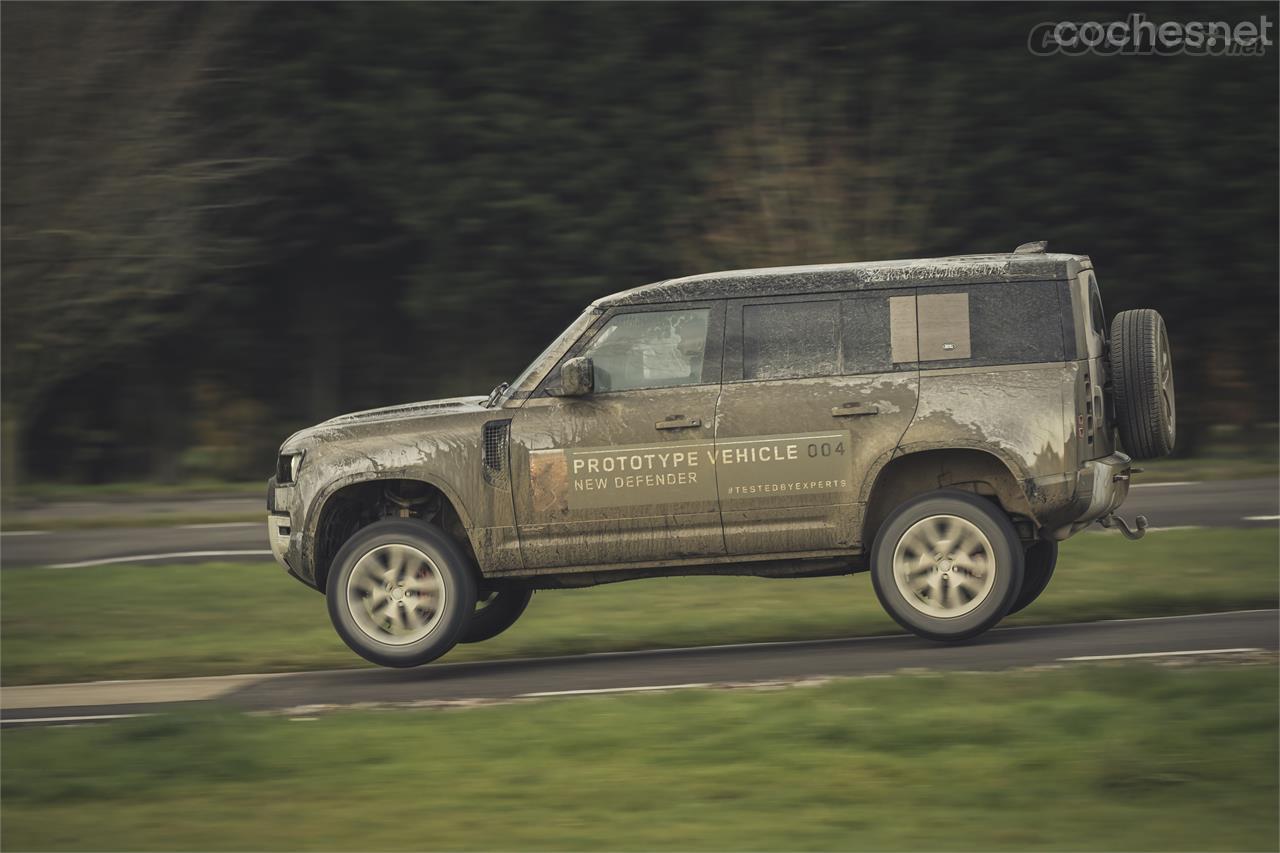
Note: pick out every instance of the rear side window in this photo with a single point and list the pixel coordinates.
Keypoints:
(855, 334)
(877, 333)
(790, 340)
(1019, 323)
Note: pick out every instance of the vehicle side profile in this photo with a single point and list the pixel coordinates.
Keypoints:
(941, 423)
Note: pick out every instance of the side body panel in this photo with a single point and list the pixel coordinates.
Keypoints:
(1003, 381)
(819, 435)
(596, 483)
(621, 476)
(1012, 411)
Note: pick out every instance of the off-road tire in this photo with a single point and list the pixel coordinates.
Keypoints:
(1037, 571)
(1142, 383)
(456, 577)
(498, 614)
(1006, 561)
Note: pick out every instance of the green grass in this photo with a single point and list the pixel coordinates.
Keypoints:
(176, 620)
(1200, 468)
(55, 492)
(1227, 454)
(1134, 757)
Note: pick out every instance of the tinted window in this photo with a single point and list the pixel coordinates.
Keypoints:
(653, 349)
(786, 340)
(866, 332)
(1005, 324)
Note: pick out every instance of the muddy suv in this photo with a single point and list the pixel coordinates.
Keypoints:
(940, 423)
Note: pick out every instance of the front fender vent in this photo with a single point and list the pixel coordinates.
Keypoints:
(496, 434)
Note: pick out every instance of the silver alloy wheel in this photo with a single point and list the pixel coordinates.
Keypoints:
(944, 566)
(395, 594)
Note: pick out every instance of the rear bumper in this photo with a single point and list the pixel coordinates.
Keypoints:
(1107, 481)
(1101, 487)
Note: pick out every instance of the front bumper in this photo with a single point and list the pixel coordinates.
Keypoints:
(280, 532)
(284, 521)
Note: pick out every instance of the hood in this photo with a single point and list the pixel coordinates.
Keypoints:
(348, 425)
(405, 411)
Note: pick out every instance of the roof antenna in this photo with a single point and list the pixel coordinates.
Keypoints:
(1036, 248)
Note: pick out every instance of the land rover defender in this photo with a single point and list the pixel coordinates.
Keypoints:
(941, 423)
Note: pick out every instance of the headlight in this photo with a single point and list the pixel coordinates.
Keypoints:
(287, 468)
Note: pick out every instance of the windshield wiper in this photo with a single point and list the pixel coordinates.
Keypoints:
(496, 393)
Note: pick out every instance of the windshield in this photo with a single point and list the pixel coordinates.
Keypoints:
(552, 353)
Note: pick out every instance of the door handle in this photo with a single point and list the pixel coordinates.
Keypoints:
(848, 410)
(677, 422)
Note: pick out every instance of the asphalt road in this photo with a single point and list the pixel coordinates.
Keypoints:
(1239, 635)
(103, 546)
(1213, 503)
(1225, 503)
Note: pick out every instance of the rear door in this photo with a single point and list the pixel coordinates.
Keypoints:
(816, 390)
(625, 475)
(1095, 440)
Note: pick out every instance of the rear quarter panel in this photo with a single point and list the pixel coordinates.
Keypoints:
(1020, 413)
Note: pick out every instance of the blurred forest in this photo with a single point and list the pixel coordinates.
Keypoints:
(224, 222)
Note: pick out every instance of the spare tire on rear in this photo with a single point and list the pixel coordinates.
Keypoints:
(1142, 383)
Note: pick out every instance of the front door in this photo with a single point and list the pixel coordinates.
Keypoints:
(816, 390)
(625, 474)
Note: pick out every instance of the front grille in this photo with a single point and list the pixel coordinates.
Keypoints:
(495, 453)
(284, 469)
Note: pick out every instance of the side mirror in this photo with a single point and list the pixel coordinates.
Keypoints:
(577, 378)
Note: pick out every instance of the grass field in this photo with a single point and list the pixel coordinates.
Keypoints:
(1217, 467)
(54, 492)
(175, 620)
(1134, 757)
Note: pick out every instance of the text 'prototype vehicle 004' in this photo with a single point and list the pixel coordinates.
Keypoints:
(940, 423)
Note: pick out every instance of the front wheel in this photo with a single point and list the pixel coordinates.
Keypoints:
(947, 565)
(400, 592)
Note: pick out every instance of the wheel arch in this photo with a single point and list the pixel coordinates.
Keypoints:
(916, 472)
(351, 503)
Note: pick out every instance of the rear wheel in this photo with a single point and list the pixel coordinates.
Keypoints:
(947, 565)
(495, 613)
(1039, 563)
(400, 592)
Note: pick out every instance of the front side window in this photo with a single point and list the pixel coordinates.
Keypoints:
(651, 349)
